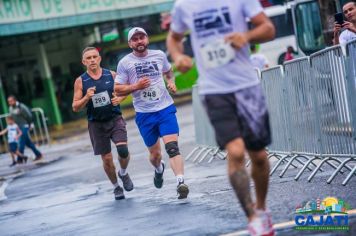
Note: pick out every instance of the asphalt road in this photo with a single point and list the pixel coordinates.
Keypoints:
(72, 196)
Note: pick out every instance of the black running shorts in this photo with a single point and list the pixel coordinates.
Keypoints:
(102, 132)
(241, 114)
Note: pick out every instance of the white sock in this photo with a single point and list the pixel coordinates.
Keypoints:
(159, 169)
(123, 172)
(180, 179)
(116, 185)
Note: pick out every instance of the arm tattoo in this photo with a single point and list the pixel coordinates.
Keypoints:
(241, 184)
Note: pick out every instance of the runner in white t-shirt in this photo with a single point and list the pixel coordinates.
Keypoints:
(143, 73)
(230, 89)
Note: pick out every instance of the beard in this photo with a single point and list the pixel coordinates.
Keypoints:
(140, 48)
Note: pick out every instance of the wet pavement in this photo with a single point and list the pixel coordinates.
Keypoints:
(71, 195)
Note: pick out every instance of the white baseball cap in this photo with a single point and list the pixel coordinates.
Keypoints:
(134, 31)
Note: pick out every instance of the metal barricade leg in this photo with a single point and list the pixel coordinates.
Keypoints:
(191, 153)
(289, 163)
(203, 149)
(274, 155)
(222, 155)
(338, 169)
(278, 157)
(308, 167)
(209, 149)
(349, 176)
(305, 166)
(278, 164)
(327, 159)
(215, 152)
(334, 166)
(42, 125)
(269, 157)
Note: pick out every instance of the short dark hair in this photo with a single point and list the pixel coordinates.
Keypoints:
(10, 117)
(89, 49)
(12, 96)
(353, 1)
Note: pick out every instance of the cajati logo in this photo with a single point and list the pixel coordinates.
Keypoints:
(327, 214)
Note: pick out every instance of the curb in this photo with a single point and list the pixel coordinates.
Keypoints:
(281, 226)
(27, 167)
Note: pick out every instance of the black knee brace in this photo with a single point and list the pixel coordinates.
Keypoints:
(172, 149)
(122, 150)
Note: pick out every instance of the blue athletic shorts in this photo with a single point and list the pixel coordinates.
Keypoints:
(153, 125)
(13, 147)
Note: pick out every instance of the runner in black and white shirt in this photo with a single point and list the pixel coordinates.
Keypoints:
(94, 89)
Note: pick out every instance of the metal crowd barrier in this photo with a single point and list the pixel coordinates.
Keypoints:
(311, 101)
(313, 113)
(39, 132)
(204, 133)
(278, 98)
(351, 78)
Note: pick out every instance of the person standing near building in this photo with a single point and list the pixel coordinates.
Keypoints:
(347, 31)
(23, 118)
(289, 54)
(13, 135)
(143, 73)
(94, 89)
(230, 89)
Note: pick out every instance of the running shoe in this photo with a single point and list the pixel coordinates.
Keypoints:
(119, 193)
(158, 178)
(126, 182)
(260, 226)
(182, 190)
(266, 217)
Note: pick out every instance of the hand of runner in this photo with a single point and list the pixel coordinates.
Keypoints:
(116, 100)
(172, 87)
(90, 92)
(143, 83)
(237, 40)
(183, 63)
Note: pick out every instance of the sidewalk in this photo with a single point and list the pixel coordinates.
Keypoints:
(51, 153)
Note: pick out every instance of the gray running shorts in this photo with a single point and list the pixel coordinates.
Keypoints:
(241, 114)
(102, 132)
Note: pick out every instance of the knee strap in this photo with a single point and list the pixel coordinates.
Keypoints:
(122, 150)
(172, 149)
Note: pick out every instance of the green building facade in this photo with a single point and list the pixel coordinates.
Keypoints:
(41, 43)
